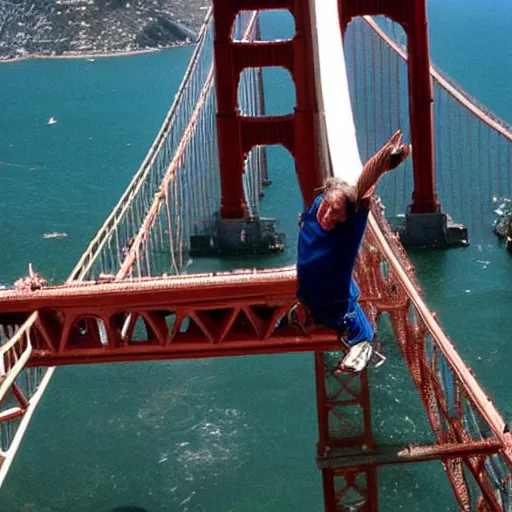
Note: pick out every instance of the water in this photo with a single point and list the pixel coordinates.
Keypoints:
(68, 176)
(227, 434)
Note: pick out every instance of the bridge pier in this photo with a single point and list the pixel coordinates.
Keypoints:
(432, 230)
(240, 237)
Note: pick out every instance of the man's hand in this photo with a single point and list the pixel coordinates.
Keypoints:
(397, 150)
(389, 156)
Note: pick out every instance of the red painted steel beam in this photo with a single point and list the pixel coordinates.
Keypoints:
(424, 197)
(231, 159)
(267, 130)
(275, 285)
(169, 318)
(412, 15)
(13, 412)
(263, 54)
(307, 133)
(387, 456)
(254, 5)
(189, 350)
(397, 10)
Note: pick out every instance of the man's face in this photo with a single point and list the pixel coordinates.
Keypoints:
(331, 212)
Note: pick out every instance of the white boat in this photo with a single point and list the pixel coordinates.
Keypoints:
(52, 120)
(55, 234)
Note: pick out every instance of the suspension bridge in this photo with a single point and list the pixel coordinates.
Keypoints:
(198, 191)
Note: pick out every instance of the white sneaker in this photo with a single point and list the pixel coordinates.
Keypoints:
(358, 357)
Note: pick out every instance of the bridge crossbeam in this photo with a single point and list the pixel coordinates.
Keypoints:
(168, 318)
(391, 455)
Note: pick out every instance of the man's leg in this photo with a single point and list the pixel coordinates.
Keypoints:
(355, 333)
(359, 334)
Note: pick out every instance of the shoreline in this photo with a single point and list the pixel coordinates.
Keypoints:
(95, 55)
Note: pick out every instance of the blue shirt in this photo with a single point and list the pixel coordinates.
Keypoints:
(325, 263)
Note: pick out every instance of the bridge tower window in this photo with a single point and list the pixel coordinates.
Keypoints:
(266, 91)
(275, 25)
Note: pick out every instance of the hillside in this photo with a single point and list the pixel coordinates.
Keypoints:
(73, 27)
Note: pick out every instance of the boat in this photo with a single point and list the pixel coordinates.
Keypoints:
(55, 234)
(52, 120)
(503, 221)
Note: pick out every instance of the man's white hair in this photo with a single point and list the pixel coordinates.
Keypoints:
(333, 182)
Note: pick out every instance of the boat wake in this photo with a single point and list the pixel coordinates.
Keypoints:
(5, 163)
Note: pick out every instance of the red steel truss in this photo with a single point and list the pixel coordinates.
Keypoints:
(169, 318)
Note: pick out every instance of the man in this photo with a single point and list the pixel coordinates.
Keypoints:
(331, 231)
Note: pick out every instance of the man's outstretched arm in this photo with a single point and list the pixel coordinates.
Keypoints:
(389, 156)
